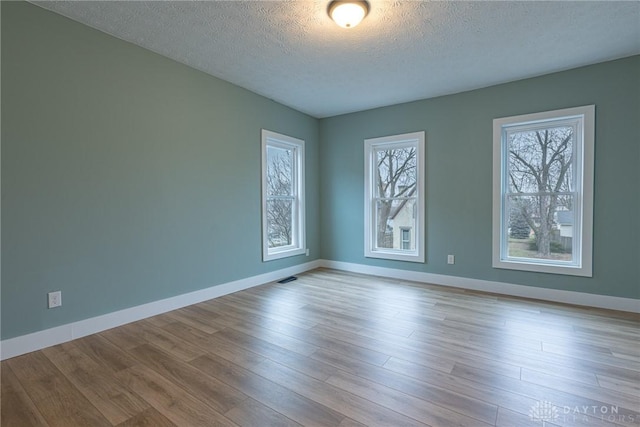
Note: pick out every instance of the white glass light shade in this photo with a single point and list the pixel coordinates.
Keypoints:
(348, 14)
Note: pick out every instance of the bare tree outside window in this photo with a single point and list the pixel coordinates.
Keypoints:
(280, 196)
(396, 179)
(540, 184)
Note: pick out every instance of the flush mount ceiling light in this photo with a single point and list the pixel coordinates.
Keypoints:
(348, 14)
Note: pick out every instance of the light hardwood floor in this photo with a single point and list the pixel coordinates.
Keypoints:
(338, 349)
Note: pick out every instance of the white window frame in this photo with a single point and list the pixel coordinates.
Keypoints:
(298, 246)
(583, 202)
(414, 139)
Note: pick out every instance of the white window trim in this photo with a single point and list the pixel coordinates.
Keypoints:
(584, 178)
(416, 139)
(298, 247)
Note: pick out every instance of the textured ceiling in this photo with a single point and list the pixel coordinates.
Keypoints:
(291, 51)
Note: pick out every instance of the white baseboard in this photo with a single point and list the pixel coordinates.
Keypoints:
(38, 340)
(545, 294)
(46, 338)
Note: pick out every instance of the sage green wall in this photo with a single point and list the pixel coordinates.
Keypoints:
(459, 175)
(126, 177)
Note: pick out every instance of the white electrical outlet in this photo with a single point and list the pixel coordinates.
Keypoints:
(307, 252)
(451, 259)
(55, 299)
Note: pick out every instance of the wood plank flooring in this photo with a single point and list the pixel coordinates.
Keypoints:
(339, 349)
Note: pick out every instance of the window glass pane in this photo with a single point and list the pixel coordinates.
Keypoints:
(540, 227)
(280, 163)
(406, 239)
(541, 160)
(396, 172)
(393, 219)
(279, 222)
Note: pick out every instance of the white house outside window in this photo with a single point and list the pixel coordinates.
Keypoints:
(283, 229)
(394, 197)
(543, 191)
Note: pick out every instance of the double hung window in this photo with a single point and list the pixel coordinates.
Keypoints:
(283, 230)
(543, 191)
(394, 197)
